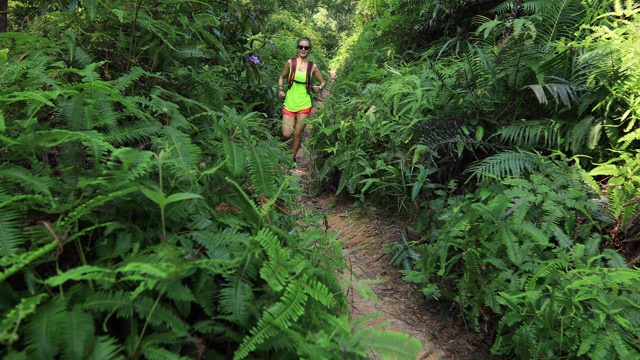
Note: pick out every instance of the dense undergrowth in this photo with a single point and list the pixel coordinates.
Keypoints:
(144, 211)
(507, 130)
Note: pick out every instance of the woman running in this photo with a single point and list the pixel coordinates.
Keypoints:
(297, 99)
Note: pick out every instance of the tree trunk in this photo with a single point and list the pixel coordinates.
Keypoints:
(3, 15)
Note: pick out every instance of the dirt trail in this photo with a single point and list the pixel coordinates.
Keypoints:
(364, 233)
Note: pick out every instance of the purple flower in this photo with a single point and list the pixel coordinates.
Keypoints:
(254, 59)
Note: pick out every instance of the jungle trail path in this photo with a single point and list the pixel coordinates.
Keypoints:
(364, 233)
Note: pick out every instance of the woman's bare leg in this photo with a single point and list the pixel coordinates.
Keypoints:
(297, 134)
(288, 126)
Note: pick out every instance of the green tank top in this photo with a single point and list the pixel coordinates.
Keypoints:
(297, 97)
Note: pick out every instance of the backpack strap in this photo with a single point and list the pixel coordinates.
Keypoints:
(292, 73)
(309, 71)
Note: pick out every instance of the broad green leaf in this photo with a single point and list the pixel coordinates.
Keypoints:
(182, 196)
(155, 196)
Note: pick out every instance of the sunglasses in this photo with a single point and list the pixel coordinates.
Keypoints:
(301, 47)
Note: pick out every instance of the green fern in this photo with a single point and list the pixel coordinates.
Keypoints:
(12, 237)
(44, 330)
(261, 172)
(393, 345)
(106, 348)
(78, 334)
(26, 179)
(16, 316)
(504, 164)
(17, 263)
(558, 20)
(236, 298)
(279, 316)
(139, 132)
(158, 353)
(121, 304)
(182, 155)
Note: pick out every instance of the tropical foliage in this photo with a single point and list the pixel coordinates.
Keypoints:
(508, 131)
(144, 210)
(145, 213)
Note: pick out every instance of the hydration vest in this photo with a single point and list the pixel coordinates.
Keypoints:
(292, 74)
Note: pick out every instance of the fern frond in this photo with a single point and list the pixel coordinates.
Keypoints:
(235, 156)
(10, 227)
(176, 291)
(44, 331)
(158, 353)
(261, 170)
(182, 154)
(98, 201)
(529, 6)
(16, 262)
(205, 291)
(78, 335)
(83, 273)
(120, 303)
(559, 20)
(226, 244)
(82, 58)
(279, 316)
(525, 341)
(96, 147)
(17, 315)
(504, 164)
(561, 92)
(192, 51)
(317, 290)
(125, 166)
(106, 348)
(28, 180)
(235, 300)
(509, 320)
(393, 345)
(125, 81)
(443, 136)
(278, 270)
(133, 134)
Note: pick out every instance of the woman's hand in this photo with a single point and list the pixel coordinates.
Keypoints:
(281, 94)
(317, 88)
